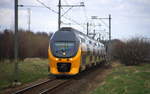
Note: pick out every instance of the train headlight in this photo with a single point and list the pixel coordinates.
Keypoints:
(56, 59)
(70, 59)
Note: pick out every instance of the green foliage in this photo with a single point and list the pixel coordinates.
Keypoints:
(28, 71)
(127, 80)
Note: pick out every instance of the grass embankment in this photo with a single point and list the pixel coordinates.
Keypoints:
(29, 70)
(126, 80)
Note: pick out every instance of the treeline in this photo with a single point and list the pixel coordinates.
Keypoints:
(131, 52)
(30, 44)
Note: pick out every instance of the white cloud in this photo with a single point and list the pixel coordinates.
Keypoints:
(22, 18)
(6, 16)
(127, 15)
(6, 3)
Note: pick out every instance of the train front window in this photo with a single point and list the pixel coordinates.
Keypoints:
(64, 49)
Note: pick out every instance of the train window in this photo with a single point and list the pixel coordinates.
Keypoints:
(64, 46)
(64, 49)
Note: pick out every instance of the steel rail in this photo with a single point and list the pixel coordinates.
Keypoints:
(33, 86)
(64, 83)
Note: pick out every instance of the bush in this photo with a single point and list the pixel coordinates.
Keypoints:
(132, 52)
(116, 49)
(30, 44)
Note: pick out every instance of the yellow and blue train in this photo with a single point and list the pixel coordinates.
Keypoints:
(71, 51)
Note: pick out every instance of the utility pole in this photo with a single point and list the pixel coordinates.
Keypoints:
(109, 43)
(94, 34)
(109, 18)
(87, 28)
(59, 14)
(109, 33)
(16, 43)
(29, 18)
(59, 11)
(109, 27)
(99, 37)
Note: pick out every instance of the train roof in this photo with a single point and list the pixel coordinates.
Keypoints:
(79, 33)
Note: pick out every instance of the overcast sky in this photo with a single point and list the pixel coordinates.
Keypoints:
(130, 18)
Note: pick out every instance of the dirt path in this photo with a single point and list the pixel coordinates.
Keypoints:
(88, 81)
(98, 80)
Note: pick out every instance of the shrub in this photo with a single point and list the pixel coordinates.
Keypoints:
(132, 52)
(30, 44)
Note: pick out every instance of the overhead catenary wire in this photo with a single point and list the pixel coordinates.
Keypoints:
(104, 23)
(30, 6)
(46, 6)
(66, 11)
(57, 13)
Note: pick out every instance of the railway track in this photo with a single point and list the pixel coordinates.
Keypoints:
(56, 87)
(53, 85)
(45, 87)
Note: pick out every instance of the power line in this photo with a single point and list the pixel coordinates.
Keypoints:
(66, 11)
(30, 6)
(47, 6)
(104, 23)
(57, 13)
(109, 26)
(71, 6)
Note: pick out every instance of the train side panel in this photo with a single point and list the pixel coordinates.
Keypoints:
(91, 55)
